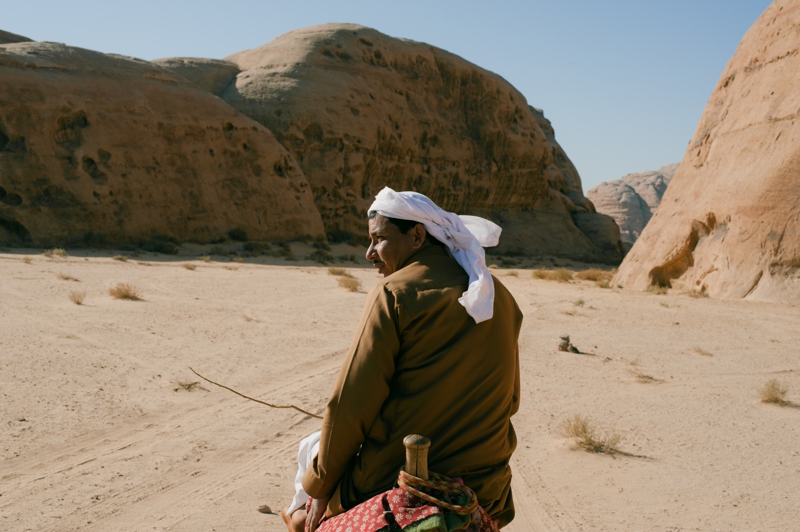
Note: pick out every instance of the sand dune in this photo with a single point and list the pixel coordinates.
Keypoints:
(101, 433)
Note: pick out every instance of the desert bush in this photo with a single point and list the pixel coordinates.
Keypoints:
(323, 257)
(340, 272)
(160, 244)
(640, 375)
(774, 392)
(321, 245)
(206, 258)
(65, 277)
(284, 251)
(594, 274)
(697, 294)
(603, 284)
(587, 437)
(512, 273)
(55, 252)
(121, 258)
(219, 250)
(657, 290)
(350, 283)
(257, 247)
(190, 266)
(561, 275)
(77, 297)
(125, 291)
(579, 303)
(702, 352)
(341, 236)
(27, 260)
(238, 259)
(231, 268)
(347, 258)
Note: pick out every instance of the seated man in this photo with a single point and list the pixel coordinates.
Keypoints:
(435, 353)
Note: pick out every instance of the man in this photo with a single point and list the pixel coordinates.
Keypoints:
(435, 353)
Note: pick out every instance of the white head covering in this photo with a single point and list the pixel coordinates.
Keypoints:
(463, 236)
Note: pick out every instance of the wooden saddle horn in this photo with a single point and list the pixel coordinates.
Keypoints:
(417, 455)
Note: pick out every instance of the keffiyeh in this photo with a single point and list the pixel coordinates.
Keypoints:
(464, 236)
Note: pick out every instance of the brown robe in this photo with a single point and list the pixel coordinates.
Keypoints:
(419, 364)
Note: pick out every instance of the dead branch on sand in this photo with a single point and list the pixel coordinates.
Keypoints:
(255, 400)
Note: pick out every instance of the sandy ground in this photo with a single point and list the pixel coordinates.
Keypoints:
(101, 433)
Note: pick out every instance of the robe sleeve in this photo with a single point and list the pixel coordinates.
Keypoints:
(361, 389)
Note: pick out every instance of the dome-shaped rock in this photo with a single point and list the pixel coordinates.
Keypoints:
(360, 110)
(632, 200)
(729, 223)
(94, 145)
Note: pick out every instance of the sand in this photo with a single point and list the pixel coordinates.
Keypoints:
(103, 430)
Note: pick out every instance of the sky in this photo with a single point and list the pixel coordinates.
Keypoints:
(623, 82)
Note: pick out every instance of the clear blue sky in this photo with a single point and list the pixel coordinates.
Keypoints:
(623, 81)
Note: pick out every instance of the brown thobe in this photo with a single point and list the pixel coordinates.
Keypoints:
(419, 364)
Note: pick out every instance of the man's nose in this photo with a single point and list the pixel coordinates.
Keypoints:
(370, 252)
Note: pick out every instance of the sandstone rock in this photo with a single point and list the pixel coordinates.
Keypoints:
(211, 75)
(93, 146)
(8, 38)
(360, 110)
(729, 222)
(632, 200)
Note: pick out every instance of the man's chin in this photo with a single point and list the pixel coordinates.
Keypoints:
(381, 269)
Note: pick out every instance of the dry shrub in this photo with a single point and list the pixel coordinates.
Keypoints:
(702, 352)
(207, 258)
(587, 437)
(493, 266)
(55, 252)
(594, 274)
(77, 297)
(121, 258)
(350, 283)
(188, 386)
(774, 392)
(190, 266)
(27, 260)
(341, 272)
(603, 284)
(512, 273)
(232, 268)
(657, 290)
(698, 294)
(561, 275)
(125, 291)
(65, 277)
(143, 263)
(219, 250)
(238, 259)
(579, 303)
(640, 375)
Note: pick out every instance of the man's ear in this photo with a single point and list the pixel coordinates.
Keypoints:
(420, 233)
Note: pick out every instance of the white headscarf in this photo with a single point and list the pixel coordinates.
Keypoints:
(464, 236)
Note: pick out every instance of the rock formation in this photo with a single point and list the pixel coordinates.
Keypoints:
(211, 75)
(729, 223)
(8, 38)
(360, 110)
(632, 200)
(97, 147)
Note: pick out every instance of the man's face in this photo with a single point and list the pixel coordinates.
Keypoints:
(389, 249)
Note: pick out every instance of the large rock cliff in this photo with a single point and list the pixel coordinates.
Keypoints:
(95, 148)
(729, 223)
(360, 110)
(632, 199)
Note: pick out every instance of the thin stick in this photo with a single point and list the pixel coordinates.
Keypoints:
(256, 400)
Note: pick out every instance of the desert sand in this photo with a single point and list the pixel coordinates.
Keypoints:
(103, 430)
